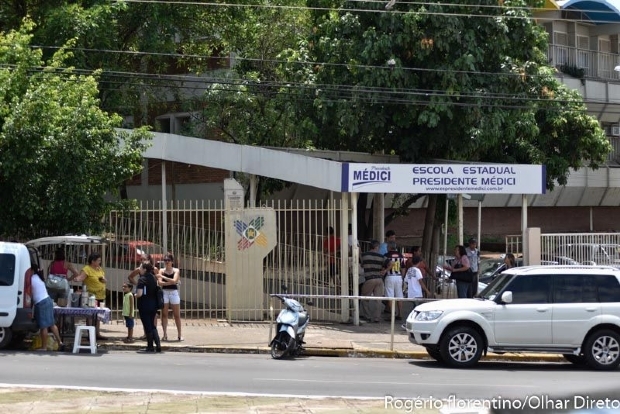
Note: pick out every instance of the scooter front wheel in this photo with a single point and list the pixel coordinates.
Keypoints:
(282, 345)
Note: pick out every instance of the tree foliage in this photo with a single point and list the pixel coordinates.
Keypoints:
(451, 93)
(133, 43)
(61, 153)
(258, 101)
(466, 80)
(461, 81)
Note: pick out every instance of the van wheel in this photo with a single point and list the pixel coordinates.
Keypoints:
(5, 337)
(602, 350)
(461, 347)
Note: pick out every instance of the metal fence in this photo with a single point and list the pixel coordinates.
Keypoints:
(572, 248)
(586, 248)
(195, 233)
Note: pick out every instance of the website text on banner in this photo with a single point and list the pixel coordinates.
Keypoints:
(444, 178)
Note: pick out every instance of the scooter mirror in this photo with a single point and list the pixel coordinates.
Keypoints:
(284, 288)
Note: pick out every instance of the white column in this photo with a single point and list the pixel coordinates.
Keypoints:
(355, 256)
(344, 253)
(253, 187)
(445, 230)
(164, 208)
(479, 223)
(460, 217)
(524, 246)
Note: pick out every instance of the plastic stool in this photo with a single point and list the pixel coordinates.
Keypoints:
(92, 341)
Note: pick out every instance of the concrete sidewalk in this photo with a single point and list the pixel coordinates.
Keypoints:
(322, 339)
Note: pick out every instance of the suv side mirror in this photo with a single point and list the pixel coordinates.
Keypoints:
(506, 297)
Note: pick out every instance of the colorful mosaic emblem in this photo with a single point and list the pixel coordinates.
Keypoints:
(250, 233)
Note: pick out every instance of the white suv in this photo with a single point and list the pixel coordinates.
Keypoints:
(569, 310)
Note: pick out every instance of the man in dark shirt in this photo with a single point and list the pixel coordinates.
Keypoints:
(374, 270)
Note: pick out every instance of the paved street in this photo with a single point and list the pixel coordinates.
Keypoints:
(310, 376)
(222, 367)
(178, 382)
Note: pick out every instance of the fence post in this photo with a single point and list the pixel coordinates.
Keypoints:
(392, 316)
(272, 321)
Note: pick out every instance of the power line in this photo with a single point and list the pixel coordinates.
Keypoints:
(394, 11)
(292, 63)
(378, 96)
(278, 84)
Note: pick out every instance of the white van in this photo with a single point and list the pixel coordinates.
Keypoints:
(16, 318)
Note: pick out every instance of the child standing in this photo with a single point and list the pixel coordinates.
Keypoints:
(128, 311)
(415, 281)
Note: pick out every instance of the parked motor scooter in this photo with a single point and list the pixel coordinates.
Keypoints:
(290, 329)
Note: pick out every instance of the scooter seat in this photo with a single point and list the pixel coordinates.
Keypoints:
(303, 318)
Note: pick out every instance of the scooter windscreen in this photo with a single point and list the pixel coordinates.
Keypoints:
(293, 305)
(288, 318)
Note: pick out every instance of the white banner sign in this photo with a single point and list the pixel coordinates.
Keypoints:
(444, 178)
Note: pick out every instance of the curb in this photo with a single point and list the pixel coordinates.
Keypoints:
(332, 352)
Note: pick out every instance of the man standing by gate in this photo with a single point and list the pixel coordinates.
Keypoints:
(374, 270)
(473, 254)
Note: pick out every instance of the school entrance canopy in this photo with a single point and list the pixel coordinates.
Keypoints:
(360, 173)
(363, 176)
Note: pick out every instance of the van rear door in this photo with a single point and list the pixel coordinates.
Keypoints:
(9, 282)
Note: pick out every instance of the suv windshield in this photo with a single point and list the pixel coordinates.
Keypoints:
(495, 286)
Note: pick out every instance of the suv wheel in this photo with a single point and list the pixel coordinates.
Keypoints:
(602, 350)
(5, 337)
(434, 353)
(461, 347)
(575, 359)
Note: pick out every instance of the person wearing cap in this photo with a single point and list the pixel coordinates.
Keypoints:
(473, 254)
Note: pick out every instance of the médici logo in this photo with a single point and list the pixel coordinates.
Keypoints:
(250, 233)
(371, 175)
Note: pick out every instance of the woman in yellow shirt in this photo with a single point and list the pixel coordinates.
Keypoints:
(93, 277)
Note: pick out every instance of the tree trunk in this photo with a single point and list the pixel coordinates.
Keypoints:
(434, 252)
(362, 224)
(429, 223)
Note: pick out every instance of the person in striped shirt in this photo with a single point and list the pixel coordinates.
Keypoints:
(374, 271)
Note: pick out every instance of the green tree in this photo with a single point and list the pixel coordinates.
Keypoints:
(134, 44)
(423, 80)
(257, 102)
(61, 154)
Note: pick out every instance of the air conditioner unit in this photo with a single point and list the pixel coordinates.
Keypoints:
(615, 130)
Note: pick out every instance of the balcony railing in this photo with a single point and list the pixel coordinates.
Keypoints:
(614, 155)
(597, 65)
